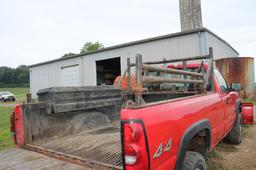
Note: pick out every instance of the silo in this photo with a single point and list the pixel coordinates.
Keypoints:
(239, 70)
(190, 14)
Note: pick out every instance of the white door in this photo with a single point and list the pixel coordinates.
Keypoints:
(70, 75)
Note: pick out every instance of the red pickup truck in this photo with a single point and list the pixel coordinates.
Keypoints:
(178, 134)
(171, 118)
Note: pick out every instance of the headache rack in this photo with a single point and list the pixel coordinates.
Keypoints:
(198, 81)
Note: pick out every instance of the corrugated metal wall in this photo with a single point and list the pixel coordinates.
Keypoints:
(49, 75)
(169, 48)
(220, 49)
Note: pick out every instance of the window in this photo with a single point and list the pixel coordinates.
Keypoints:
(221, 80)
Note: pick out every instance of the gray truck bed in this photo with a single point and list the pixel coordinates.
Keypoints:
(100, 145)
(22, 159)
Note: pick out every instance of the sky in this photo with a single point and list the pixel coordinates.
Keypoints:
(36, 31)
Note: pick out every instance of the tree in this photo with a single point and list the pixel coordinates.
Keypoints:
(67, 55)
(91, 47)
(22, 75)
(10, 77)
(7, 75)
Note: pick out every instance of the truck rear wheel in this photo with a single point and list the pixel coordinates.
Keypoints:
(236, 134)
(194, 161)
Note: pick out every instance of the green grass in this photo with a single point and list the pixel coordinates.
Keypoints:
(214, 161)
(5, 136)
(19, 92)
(250, 100)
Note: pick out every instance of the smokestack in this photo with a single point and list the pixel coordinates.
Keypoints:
(190, 14)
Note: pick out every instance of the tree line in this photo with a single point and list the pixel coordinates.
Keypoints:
(14, 77)
(19, 77)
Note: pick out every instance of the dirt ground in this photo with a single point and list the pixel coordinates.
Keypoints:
(235, 157)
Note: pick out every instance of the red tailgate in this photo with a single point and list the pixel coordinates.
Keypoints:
(17, 129)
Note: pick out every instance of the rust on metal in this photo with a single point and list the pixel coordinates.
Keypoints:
(149, 79)
(179, 59)
(173, 71)
(145, 82)
(139, 89)
(239, 70)
(129, 74)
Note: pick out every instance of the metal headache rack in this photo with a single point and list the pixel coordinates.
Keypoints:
(145, 84)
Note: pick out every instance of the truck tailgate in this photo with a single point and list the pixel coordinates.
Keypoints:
(100, 146)
(23, 159)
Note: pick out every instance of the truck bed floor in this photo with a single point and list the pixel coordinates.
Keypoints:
(102, 145)
(22, 159)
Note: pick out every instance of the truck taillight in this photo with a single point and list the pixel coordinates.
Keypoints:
(134, 147)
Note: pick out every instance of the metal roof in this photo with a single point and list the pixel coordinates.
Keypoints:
(139, 42)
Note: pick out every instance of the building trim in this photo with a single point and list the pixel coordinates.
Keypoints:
(178, 34)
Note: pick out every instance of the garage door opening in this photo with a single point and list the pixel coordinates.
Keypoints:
(108, 70)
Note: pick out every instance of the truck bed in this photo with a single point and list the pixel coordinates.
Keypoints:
(22, 159)
(101, 145)
(76, 124)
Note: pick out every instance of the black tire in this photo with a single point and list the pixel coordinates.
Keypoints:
(3, 100)
(13, 99)
(194, 161)
(235, 136)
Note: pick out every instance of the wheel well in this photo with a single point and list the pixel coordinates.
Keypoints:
(199, 130)
(200, 142)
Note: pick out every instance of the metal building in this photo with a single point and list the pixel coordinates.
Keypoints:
(102, 66)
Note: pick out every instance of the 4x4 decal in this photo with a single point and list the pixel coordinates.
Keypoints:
(162, 149)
